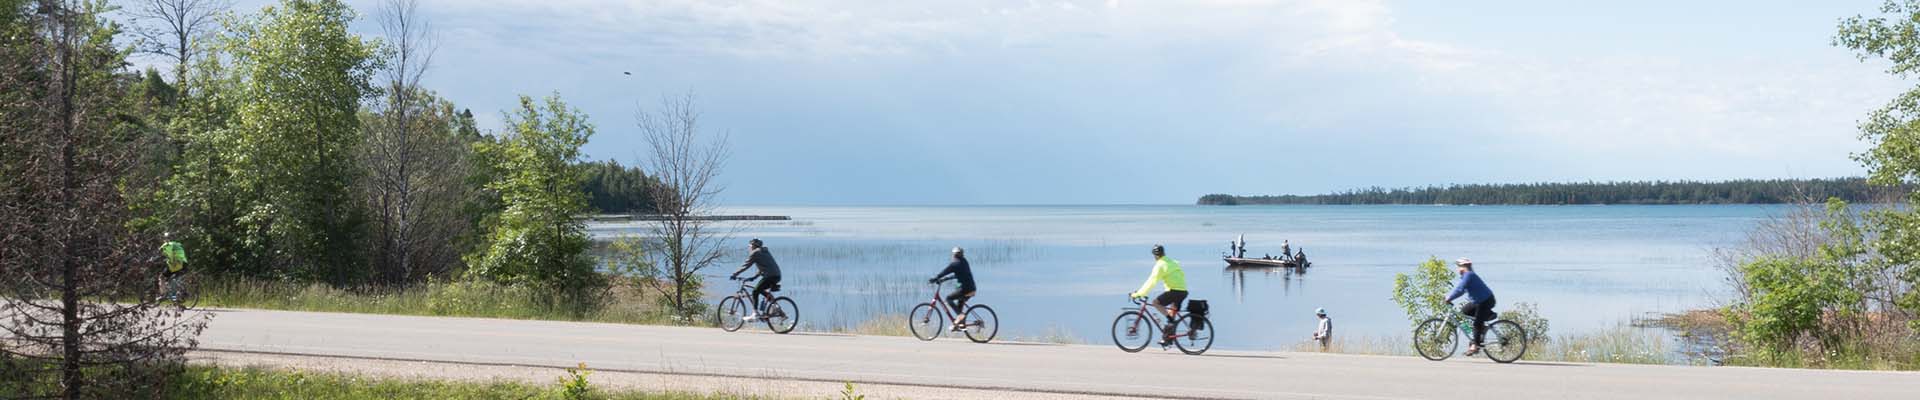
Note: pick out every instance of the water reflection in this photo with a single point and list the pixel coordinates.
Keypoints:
(1289, 278)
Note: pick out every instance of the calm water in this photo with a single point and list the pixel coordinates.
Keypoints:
(1069, 268)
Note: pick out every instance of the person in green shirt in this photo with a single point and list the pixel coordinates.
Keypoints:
(1167, 272)
(176, 255)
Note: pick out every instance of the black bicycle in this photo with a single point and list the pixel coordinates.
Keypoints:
(927, 319)
(1134, 329)
(780, 314)
(1437, 338)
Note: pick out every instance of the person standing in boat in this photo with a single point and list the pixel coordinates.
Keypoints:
(1285, 248)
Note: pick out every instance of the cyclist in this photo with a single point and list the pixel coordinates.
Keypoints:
(1168, 273)
(176, 255)
(769, 275)
(962, 272)
(1479, 301)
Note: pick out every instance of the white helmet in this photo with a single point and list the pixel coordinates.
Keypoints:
(959, 251)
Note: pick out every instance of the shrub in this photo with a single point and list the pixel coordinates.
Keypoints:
(1423, 293)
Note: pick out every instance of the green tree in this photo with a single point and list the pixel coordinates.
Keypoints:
(1894, 131)
(298, 77)
(534, 238)
(74, 312)
(1423, 293)
(615, 188)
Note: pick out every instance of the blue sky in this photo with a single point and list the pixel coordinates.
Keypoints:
(1123, 102)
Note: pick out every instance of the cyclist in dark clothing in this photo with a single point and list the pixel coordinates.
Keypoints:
(1479, 301)
(769, 274)
(962, 272)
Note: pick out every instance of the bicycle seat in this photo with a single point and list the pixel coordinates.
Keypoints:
(774, 288)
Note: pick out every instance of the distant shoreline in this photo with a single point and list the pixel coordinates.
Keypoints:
(1735, 192)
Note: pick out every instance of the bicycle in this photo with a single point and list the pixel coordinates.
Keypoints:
(1134, 329)
(980, 323)
(1506, 341)
(184, 299)
(780, 314)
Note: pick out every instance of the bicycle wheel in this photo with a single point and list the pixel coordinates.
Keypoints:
(925, 321)
(981, 324)
(782, 315)
(1132, 331)
(1435, 340)
(189, 293)
(1506, 341)
(1195, 334)
(731, 313)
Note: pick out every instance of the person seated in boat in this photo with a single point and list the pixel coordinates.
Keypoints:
(1301, 257)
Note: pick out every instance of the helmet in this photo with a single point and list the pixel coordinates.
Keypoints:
(1320, 311)
(1464, 262)
(1159, 251)
(959, 251)
(755, 242)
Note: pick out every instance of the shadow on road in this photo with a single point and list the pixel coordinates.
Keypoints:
(1244, 356)
(798, 333)
(1549, 364)
(1023, 344)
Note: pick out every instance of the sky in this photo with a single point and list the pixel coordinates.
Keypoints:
(1160, 102)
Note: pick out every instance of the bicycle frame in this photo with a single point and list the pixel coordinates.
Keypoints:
(746, 292)
(1147, 309)
(939, 303)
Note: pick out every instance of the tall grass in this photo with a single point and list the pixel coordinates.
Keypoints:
(440, 298)
(211, 382)
(1623, 344)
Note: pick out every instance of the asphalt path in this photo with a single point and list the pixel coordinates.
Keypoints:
(1015, 368)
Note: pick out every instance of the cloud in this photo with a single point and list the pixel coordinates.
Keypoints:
(1100, 78)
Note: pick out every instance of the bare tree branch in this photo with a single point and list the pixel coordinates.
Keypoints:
(174, 28)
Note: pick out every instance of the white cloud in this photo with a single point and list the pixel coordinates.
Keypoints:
(1257, 51)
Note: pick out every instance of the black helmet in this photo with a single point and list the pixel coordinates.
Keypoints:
(755, 242)
(1159, 251)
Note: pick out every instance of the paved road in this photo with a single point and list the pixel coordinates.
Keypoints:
(1019, 367)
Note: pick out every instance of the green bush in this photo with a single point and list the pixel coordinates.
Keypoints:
(1423, 293)
(1528, 316)
(574, 386)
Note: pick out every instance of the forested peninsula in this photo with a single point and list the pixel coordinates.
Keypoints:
(1750, 191)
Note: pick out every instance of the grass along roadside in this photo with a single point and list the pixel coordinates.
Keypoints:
(1622, 344)
(439, 298)
(218, 382)
(489, 300)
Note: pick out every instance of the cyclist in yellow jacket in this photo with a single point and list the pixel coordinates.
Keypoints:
(1167, 272)
(176, 256)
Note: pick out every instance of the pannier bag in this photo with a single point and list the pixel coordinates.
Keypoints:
(1198, 308)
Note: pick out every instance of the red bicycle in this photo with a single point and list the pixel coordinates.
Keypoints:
(927, 319)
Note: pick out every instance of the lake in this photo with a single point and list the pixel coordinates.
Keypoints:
(1069, 268)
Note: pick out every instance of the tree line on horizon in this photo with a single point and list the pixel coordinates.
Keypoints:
(1746, 191)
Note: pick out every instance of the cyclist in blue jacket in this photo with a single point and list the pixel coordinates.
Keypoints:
(1479, 301)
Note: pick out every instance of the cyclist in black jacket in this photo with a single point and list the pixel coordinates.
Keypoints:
(769, 275)
(962, 272)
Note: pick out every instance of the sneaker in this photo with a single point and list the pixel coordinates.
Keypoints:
(750, 317)
(1473, 349)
